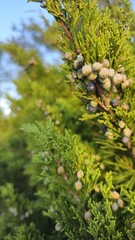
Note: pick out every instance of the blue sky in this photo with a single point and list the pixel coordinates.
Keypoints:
(13, 11)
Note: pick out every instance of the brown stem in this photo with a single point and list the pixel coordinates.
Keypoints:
(64, 27)
(111, 90)
(103, 97)
(66, 30)
(102, 105)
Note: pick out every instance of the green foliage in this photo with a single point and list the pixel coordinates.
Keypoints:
(116, 7)
(25, 232)
(42, 94)
(98, 37)
(92, 34)
(83, 31)
(44, 37)
(67, 204)
(81, 182)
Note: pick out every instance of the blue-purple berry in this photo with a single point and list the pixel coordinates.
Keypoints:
(80, 58)
(125, 140)
(91, 109)
(115, 102)
(90, 87)
(104, 128)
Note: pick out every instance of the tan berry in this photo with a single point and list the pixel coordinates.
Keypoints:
(106, 80)
(76, 64)
(80, 58)
(72, 79)
(120, 203)
(109, 135)
(68, 56)
(94, 104)
(115, 195)
(102, 80)
(127, 132)
(58, 227)
(126, 140)
(125, 84)
(80, 174)
(87, 215)
(107, 85)
(121, 69)
(86, 70)
(111, 73)
(78, 185)
(97, 157)
(125, 106)
(130, 80)
(60, 170)
(102, 166)
(92, 76)
(97, 188)
(57, 122)
(97, 66)
(117, 79)
(79, 74)
(103, 72)
(115, 207)
(121, 124)
(105, 63)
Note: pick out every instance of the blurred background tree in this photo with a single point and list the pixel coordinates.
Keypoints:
(41, 93)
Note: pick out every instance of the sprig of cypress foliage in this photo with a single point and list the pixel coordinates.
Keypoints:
(95, 43)
(92, 35)
(82, 199)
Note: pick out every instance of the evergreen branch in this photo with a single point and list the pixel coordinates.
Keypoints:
(105, 99)
(103, 106)
(111, 91)
(66, 30)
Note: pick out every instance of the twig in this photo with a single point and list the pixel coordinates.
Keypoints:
(111, 90)
(67, 31)
(103, 97)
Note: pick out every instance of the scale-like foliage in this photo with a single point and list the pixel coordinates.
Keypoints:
(98, 54)
(79, 196)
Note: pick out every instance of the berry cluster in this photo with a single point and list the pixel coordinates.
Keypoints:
(99, 80)
(118, 202)
(125, 132)
(78, 184)
(104, 86)
(80, 174)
